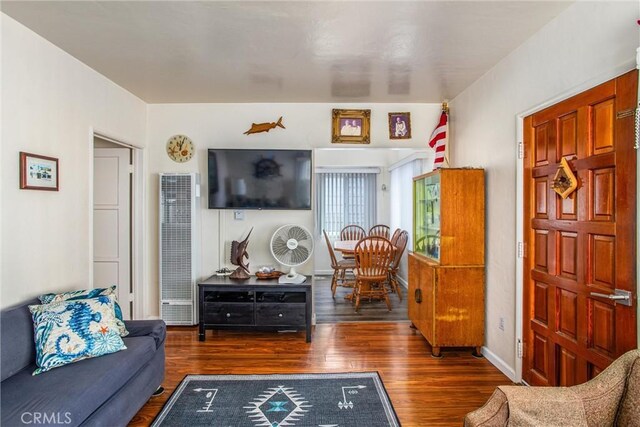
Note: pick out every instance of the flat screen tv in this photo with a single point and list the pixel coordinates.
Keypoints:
(259, 179)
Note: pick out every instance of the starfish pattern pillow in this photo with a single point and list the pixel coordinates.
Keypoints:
(90, 293)
(73, 330)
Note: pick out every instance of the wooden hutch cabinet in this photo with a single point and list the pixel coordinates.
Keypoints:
(446, 267)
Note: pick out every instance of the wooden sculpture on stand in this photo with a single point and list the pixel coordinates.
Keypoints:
(238, 253)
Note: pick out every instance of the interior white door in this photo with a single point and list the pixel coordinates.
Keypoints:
(112, 223)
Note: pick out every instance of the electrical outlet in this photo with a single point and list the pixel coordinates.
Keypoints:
(238, 215)
(501, 324)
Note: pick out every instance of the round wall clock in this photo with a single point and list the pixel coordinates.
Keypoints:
(180, 148)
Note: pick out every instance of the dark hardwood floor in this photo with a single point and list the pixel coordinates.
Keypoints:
(330, 310)
(424, 391)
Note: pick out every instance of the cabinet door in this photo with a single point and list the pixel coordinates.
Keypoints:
(460, 307)
(428, 288)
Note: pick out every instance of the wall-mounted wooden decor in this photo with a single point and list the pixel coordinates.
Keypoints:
(264, 127)
(38, 172)
(564, 182)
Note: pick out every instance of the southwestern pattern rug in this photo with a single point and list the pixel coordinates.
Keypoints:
(318, 400)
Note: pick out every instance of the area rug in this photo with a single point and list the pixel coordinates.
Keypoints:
(319, 400)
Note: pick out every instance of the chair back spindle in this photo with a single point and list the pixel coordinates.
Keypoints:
(380, 230)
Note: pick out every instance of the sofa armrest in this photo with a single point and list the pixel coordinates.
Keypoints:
(156, 329)
(494, 413)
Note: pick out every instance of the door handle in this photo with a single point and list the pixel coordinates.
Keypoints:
(418, 295)
(619, 296)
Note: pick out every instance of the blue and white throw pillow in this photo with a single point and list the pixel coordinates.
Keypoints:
(72, 330)
(89, 293)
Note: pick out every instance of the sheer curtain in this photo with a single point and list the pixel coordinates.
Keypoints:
(345, 197)
(401, 181)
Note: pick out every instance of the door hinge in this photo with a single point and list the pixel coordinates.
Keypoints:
(130, 168)
(520, 150)
(522, 250)
(520, 349)
(637, 135)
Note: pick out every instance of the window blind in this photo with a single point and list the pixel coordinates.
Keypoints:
(345, 198)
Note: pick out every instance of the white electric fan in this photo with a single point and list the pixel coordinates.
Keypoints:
(292, 245)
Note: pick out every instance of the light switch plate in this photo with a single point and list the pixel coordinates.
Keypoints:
(238, 215)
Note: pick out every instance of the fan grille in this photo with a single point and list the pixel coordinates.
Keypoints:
(292, 245)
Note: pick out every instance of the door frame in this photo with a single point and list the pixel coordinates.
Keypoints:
(519, 303)
(138, 214)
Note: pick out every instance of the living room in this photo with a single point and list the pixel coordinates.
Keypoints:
(75, 71)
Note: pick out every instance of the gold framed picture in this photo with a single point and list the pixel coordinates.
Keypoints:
(399, 125)
(350, 126)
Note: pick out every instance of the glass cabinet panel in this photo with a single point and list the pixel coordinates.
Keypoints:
(427, 216)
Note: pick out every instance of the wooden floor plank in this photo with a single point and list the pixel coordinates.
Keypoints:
(424, 391)
(339, 309)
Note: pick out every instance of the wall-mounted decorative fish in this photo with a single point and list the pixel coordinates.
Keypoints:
(264, 127)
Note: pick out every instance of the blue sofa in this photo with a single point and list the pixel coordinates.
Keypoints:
(103, 391)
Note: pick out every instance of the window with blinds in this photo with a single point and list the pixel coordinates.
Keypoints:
(345, 198)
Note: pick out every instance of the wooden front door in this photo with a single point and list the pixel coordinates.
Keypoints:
(583, 244)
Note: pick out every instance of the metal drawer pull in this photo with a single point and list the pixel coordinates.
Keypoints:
(279, 314)
(619, 296)
(228, 314)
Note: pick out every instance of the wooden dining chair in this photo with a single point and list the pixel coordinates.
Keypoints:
(352, 232)
(400, 245)
(395, 235)
(374, 255)
(339, 267)
(380, 230)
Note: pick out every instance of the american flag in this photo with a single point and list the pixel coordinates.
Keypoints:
(438, 141)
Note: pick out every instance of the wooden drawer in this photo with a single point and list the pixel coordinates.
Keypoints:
(280, 314)
(228, 313)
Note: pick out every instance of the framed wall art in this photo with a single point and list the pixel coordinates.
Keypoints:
(350, 126)
(399, 125)
(38, 172)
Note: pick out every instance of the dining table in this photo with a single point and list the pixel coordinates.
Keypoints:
(348, 247)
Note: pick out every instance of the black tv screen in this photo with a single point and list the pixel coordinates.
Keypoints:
(259, 179)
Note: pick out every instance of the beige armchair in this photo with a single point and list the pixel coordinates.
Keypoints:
(610, 399)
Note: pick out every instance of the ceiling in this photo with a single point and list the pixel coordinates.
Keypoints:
(298, 51)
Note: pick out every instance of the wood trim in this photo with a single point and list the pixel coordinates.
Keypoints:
(626, 209)
(527, 261)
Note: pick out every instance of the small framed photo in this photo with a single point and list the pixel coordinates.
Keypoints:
(399, 125)
(38, 172)
(351, 126)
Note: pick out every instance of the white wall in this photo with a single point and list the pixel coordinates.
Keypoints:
(51, 101)
(308, 126)
(588, 40)
(401, 189)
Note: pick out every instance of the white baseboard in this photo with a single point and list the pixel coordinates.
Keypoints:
(499, 363)
(403, 282)
(323, 273)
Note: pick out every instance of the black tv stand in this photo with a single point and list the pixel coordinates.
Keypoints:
(256, 304)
